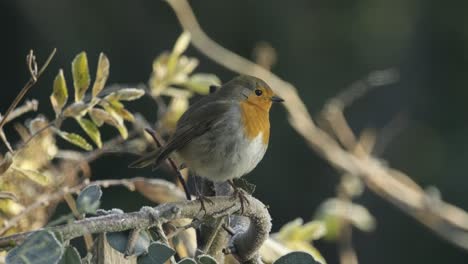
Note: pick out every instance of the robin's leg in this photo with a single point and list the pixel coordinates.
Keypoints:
(241, 194)
(202, 191)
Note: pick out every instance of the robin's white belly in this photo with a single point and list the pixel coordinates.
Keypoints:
(224, 153)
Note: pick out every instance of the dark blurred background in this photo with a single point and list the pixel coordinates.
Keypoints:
(323, 47)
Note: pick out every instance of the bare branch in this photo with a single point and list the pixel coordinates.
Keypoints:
(246, 245)
(32, 67)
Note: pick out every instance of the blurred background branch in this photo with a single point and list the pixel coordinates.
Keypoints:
(446, 220)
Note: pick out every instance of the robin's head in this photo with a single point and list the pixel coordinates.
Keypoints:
(252, 90)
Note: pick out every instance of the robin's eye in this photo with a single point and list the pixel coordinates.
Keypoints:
(258, 92)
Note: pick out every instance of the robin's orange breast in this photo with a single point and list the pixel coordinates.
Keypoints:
(255, 120)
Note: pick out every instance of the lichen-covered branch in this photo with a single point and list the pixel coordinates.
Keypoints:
(446, 220)
(246, 243)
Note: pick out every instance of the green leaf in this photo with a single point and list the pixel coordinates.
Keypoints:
(75, 139)
(296, 258)
(119, 109)
(89, 199)
(187, 261)
(91, 129)
(59, 95)
(102, 74)
(77, 109)
(119, 241)
(39, 248)
(158, 253)
(201, 82)
(81, 77)
(116, 120)
(206, 259)
(70, 256)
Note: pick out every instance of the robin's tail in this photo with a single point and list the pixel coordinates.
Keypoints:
(151, 158)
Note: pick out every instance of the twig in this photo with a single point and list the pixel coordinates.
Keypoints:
(246, 244)
(162, 236)
(174, 166)
(446, 220)
(49, 198)
(131, 242)
(35, 74)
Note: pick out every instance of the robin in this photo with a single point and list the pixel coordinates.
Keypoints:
(225, 134)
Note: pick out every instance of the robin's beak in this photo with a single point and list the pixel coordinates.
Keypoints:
(276, 99)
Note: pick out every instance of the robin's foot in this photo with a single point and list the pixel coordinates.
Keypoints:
(203, 200)
(241, 194)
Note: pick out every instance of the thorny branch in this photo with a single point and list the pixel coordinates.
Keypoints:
(446, 220)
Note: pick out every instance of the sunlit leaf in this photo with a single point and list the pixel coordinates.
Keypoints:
(333, 211)
(90, 128)
(32, 175)
(158, 253)
(180, 46)
(182, 43)
(59, 95)
(76, 140)
(126, 94)
(81, 78)
(177, 108)
(76, 109)
(119, 109)
(116, 120)
(201, 82)
(102, 74)
(39, 248)
(296, 258)
(99, 116)
(70, 256)
(89, 199)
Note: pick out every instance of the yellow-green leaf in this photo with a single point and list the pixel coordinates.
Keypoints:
(182, 43)
(118, 121)
(201, 82)
(76, 140)
(110, 117)
(81, 77)
(102, 74)
(34, 176)
(59, 95)
(77, 109)
(90, 128)
(126, 94)
(99, 116)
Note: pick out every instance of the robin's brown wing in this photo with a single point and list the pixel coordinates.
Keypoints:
(194, 122)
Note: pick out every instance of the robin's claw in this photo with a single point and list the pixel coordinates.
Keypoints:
(203, 200)
(241, 194)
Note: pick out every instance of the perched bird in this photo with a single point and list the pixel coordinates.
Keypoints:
(225, 134)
